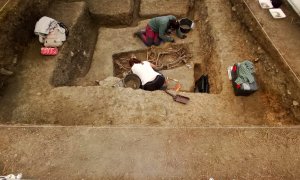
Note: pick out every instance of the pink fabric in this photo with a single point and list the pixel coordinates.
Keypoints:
(46, 51)
(150, 34)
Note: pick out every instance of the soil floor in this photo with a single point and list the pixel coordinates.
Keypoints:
(150, 153)
(142, 134)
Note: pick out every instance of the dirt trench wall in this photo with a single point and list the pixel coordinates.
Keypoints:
(110, 13)
(246, 18)
(17, 21)
(280, 82)
(210, 66)
(75, 56)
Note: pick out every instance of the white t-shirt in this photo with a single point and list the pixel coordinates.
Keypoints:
(144, 71)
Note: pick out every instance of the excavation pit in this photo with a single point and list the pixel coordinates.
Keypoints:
(33, 95)
(174, 62)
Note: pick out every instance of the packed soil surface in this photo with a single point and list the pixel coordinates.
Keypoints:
(150, 153)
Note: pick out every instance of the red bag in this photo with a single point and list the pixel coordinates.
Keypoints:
(48, 51)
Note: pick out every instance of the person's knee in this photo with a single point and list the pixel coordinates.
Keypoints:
(157, 43)
(149, 42)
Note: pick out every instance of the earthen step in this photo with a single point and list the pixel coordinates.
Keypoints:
(74, 58)
(109, 42)
(114, 12)
(105, 105)
(151, 8)
(68, 13)
(150, 153)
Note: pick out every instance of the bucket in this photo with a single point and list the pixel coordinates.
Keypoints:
(186, 25)
(132, 81)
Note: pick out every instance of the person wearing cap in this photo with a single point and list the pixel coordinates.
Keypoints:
(151, 79)
(157, 28)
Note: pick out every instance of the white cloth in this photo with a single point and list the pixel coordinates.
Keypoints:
(246, 86)
(11, 177)
(49, 31)
(55, 38)
(144, 71)
(57, 33)
(45, 25)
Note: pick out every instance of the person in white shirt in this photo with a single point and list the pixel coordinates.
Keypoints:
(151, 80)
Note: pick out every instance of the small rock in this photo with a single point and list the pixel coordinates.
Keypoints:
(97, 82)
(84, 54)
(295, 103)
(233, 8)
(6, 72)
(189, 66)
(15, 60)
(38, 93)
(269, 64)
(289, 92)
(277, 71)
(72, 54)
(256, 59)
(260, 50)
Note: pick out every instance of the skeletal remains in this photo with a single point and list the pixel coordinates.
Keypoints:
(177, 57)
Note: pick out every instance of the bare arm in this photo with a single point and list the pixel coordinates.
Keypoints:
(157, 69)
(153, 66)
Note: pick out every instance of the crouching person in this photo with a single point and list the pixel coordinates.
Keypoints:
(157, 28)
(151, 80)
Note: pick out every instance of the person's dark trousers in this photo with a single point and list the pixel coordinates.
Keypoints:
(156, 84)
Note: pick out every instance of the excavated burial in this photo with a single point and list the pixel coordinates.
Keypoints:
(164, 58)
(174, 61)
